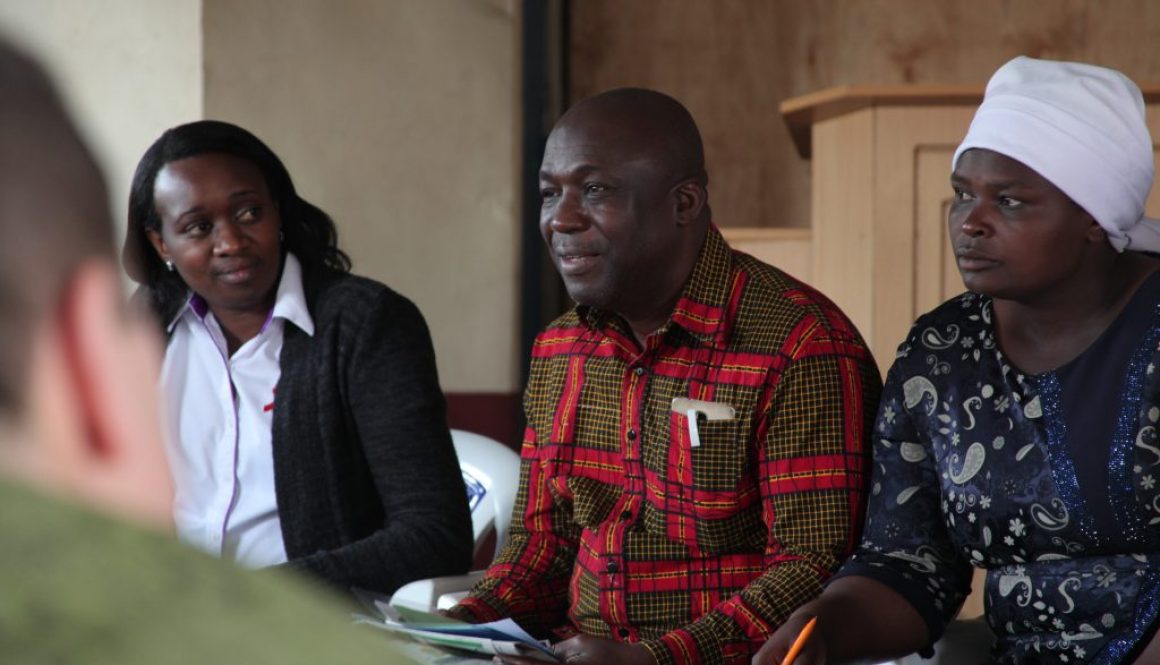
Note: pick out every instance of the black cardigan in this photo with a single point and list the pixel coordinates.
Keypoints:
(369, 490)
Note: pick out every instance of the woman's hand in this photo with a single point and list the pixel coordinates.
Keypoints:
(775, 649)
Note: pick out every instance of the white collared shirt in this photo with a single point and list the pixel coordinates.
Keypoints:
(220, 414)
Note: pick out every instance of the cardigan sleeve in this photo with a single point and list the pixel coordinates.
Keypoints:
(397, 412)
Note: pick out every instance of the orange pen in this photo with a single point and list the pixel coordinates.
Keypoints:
(799, 642)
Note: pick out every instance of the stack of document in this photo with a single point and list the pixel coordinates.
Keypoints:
(504, 638)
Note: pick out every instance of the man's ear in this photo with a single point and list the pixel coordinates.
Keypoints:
(95, 402)
(691, 197)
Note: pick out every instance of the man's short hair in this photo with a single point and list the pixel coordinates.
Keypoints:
(53, 212)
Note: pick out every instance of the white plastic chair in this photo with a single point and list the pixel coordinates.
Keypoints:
(491, 472)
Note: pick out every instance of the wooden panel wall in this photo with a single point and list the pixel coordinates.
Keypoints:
(733, 61)
(788, 249)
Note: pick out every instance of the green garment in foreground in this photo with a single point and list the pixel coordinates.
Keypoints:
(79, 588)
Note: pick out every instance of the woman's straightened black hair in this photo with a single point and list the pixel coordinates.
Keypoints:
(308, 232)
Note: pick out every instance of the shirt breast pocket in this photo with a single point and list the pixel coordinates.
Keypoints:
(720, 495)
(720, 460)
(702, 494)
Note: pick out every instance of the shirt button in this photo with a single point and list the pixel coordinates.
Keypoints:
(626, 515)
(632, 435)
(623, 632)
(639, 371)
(612, 567)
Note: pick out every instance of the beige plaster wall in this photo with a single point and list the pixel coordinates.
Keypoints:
(400, 119)
(128, 69)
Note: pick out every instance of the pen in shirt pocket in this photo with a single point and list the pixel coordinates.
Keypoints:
(695, 409)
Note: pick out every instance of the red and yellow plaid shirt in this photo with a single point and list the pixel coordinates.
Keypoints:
(698, 552)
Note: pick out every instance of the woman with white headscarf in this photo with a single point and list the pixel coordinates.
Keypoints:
(1017, 428)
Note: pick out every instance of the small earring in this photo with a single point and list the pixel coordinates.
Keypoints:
(169, 266)
(282, 237)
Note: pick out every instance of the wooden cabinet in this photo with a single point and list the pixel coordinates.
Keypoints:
(880, 168)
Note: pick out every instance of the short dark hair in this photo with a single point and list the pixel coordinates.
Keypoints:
(54, 213)
(308, 232)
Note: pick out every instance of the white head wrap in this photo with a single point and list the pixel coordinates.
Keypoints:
(1081, 127)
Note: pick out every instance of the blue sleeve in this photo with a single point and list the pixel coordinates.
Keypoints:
(905, 543)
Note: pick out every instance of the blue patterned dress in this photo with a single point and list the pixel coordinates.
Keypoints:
(975, 465)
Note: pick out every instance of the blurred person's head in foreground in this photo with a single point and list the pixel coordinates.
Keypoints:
(78, 414)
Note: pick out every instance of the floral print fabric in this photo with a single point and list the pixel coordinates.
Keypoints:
(971, 468)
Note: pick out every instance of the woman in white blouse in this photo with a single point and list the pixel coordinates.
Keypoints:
(306, 424)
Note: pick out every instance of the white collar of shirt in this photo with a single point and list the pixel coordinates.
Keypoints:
(220, 423)
(289, 303)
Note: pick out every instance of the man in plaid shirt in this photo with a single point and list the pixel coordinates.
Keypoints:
(694, 465)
